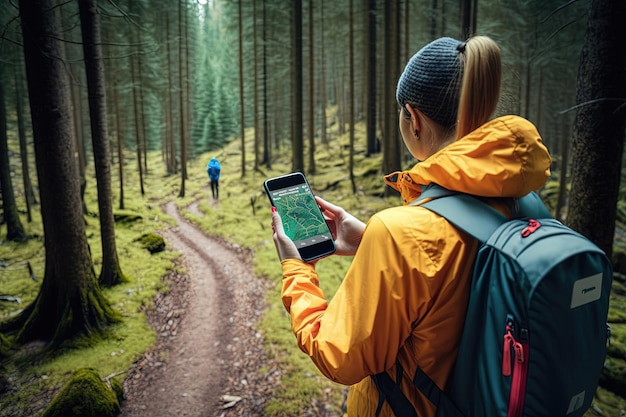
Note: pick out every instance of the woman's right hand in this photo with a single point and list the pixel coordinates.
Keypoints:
(346, 229)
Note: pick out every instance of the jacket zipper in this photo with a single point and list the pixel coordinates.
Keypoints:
(519, 369)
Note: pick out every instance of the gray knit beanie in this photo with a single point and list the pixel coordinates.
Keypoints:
(431, 81)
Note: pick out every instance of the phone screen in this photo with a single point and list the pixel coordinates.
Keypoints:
(302, 219)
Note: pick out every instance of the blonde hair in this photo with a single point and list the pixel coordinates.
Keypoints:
(480, 84)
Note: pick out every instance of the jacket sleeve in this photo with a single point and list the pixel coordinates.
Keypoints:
(370, 316)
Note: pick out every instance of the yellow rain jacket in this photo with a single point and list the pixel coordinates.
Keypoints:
(405, 294)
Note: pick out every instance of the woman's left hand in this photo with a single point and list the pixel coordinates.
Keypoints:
(284, 246)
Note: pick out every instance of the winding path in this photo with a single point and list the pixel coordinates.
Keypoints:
(208, 346)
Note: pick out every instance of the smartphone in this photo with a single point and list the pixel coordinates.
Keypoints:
(302, 218)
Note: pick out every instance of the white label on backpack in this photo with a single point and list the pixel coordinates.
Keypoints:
(576, 402)
(586, 290)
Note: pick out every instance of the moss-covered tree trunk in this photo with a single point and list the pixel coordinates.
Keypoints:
(69, 302)
(111, 273)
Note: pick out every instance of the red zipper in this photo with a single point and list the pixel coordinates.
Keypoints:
(519, 371)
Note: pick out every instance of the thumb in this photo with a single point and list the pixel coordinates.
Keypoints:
(284, 245)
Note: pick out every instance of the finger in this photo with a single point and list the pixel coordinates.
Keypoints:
(284, 245)
(326, 205)
(279, 231)
(329, 215)
(277, 223)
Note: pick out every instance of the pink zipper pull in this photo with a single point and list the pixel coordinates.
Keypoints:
(506, 354)
(519, 352)
(533, 225)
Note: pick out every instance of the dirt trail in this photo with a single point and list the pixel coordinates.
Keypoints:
(208, 345)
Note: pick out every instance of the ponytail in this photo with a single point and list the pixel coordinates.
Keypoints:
(480, 86)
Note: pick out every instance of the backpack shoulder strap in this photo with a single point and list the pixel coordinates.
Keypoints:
(463, 211)
(472, 215)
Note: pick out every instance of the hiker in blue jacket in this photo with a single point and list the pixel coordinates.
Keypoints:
(213, 170)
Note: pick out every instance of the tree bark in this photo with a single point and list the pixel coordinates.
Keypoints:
(322, 87)
(241, 95)
(350, 100)
(598, 142)
(120, 141)
(297, 140)
(371, 63)
(29, 193)
(15, 230)
(468, 18)
(255, 83)
(181, 98)
(266, 160)
(69, 302)
(391, 154)
(312, 100)
(111, 273)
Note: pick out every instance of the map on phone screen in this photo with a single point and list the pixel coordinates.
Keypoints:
(301, 216)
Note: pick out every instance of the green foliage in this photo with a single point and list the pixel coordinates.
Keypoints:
(85, 395)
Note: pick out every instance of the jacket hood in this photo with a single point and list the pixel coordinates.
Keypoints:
(503, 158)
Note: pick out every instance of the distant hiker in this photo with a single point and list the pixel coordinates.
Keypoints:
(213, 169)
(402, 302)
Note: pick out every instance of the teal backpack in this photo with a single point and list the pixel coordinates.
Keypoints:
(535, 333)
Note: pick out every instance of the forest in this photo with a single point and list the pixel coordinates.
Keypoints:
(109, 108)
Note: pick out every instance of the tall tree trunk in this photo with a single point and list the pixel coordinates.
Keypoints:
(311, 91)
(111, 272)
(29, 193)
(322, 87)
(241, 95)
(79, 137)
(257, 130)
(69, 302)
(391, 154)
(266, 136)
(297, 147)
(371, 63)
(181, 98)
(15, 230)
(137, 119)
(351, 93)
(120, 143)
(169, 138)
(599, 126)
(468, 18)
(188, 101)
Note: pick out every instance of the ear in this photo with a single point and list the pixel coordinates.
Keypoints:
(416, 117)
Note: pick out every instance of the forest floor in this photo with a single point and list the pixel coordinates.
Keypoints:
(209, 358)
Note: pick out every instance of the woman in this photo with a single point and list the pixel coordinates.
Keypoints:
(404, 296)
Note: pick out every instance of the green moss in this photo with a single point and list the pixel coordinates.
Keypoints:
(608, 404)
(118, 389)
(613, 377)
(5, 345)
(84, 395)
(152, 242)
(126, 217)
